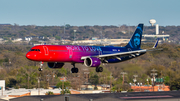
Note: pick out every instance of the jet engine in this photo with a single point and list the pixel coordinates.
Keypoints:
(92, 62)
(55, 65)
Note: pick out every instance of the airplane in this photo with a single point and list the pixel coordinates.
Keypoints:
(90, 56)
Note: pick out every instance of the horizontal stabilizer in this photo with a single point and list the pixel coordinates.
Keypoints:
(159, 49)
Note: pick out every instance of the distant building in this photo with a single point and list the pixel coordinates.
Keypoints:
(18, 93)
(17, 39)
(155, 36)
(2, 84)
(41, 37)
(91, 87)
(28, 38)
(149, 88)
(51, 38)
(65, 41)
(94, 38)
(149, 38)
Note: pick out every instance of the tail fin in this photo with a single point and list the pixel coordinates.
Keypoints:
(135, 42)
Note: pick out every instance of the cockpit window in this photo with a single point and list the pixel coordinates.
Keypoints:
(32, 49)
(35, 49)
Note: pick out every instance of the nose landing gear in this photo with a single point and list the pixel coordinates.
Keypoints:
(41, 64)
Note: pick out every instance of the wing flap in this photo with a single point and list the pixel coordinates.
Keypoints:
(117, 54)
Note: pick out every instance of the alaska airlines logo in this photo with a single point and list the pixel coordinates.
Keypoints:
(136, 40)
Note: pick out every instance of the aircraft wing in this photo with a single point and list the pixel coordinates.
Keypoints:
(117, 55)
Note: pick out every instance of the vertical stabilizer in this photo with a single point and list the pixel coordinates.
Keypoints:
(135, 42)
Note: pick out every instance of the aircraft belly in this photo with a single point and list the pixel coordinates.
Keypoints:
(77, 59)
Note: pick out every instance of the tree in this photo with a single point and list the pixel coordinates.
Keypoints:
(49, 93)
(57, 37)
(94, 79)
(27, 76)
(66, 91)
(66, 84)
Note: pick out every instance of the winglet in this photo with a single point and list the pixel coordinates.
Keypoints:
(155, 45)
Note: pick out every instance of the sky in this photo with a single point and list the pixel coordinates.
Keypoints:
(89, 12)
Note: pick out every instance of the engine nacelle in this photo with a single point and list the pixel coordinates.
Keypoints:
(92, 62)
(55, 65)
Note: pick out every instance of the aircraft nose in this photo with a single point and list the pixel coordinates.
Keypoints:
(31, 56)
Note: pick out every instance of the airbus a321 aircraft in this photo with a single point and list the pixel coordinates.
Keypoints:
(90, 56)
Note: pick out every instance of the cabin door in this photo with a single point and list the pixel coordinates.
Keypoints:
(70, 53)
(46, 51)
(100, 51)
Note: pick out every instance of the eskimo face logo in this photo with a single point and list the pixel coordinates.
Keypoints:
(136, 40)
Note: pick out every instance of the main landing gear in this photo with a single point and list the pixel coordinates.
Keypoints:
(74, 69)
(41, 64)
(99, 69)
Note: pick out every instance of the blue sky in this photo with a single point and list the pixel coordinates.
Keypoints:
(89, 12)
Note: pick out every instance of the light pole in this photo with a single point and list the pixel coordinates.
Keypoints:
(153, 74)
(135, 80)
(148, 83)
(111, 81)
(38, 85)
(123, 77)
(140, 84)
(53, 76)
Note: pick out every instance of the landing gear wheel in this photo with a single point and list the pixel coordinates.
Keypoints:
(40, 69)
(74, 70)
(41, 64)
(99, 69)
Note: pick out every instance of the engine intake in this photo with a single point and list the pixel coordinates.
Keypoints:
(92, 62)
(55, 65)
